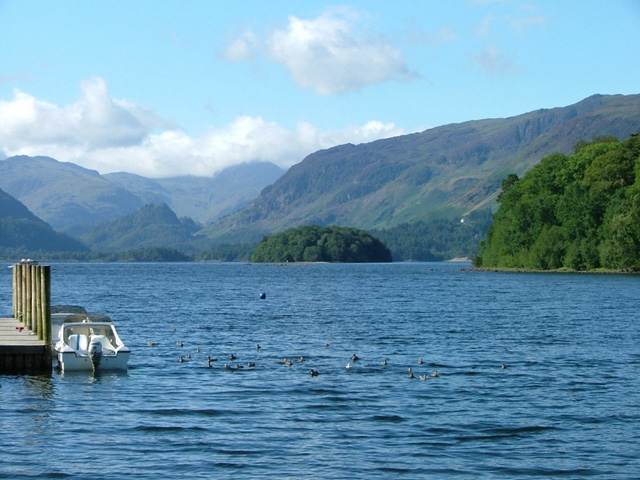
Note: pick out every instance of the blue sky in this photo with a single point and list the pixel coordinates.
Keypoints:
(164, 88)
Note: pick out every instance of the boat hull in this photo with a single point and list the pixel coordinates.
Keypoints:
(70, 361)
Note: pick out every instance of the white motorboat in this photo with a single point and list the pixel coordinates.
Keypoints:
(88, 342)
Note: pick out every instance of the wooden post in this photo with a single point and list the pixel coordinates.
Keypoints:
(37, 293)
(46, 303)
(16, 291)
(24, 303)
(34, 298)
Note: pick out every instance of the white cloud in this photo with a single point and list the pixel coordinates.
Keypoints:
(327, 54)
(110, 135)
(94, 121)
(493, 61)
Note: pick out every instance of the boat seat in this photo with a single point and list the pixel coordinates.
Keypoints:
(78, 341)
(106, 344)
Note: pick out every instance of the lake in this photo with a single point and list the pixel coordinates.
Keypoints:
(538, 375)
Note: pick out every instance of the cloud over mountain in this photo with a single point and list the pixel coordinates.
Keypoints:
(107, 134)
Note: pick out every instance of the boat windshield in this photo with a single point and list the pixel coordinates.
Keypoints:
(90, 330)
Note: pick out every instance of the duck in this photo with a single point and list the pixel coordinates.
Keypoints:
(180, 360)
(180, 344)
(151, 343)
(420, 362)
(251, 364)
(198, 350)
(209, 360)
(410, 375)
(314, 373)
(384, 362)
(354, 357)
(300, 359)
(232, 357)
(348, 366)
(423, 376)
(258, 347)
(503, 367)
(434, 374)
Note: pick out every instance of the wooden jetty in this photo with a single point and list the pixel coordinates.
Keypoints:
(25, 339)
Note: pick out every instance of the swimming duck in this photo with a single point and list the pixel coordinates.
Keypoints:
(232, 357)
(384, 362)
(423, 376)
(434, 374)
(251, 364)
(420, 362)
(314, 373)
(151, 344)
(348, 366)
(180, 344)
(354, 357)
(410, 375)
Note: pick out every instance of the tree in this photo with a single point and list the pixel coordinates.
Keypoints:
(579, 212)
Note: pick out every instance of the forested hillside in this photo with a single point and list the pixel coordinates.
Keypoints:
(437, 240)
(150, 226)
(441, 173)
(579, 212)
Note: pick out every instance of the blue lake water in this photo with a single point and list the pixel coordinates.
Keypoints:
(567, 405)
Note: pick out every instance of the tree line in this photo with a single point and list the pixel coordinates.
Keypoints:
(577, 212)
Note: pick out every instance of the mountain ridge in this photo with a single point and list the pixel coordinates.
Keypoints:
(442, 172)
(74, 199)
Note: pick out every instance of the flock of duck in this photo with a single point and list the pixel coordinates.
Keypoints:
(289, 362)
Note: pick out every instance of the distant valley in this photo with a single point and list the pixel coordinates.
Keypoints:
(74, 199)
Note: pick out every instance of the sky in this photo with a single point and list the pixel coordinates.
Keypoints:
(165, 88)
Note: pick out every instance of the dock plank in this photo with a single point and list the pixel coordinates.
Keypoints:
(10, 334)
(21, 351)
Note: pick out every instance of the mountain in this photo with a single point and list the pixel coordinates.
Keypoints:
(443, 172)
(153, 225)
(22, 231)
(73, 199)
(65, 195)
(205, 199)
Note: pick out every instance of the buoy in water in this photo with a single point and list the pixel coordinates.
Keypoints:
(263, 296)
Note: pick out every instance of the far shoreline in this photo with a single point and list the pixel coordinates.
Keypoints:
(557, 270)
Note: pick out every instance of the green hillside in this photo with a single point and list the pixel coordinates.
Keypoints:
(24, 234)
(579, 212)
(442, 173)
(150, 226)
